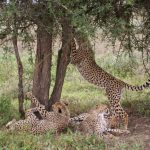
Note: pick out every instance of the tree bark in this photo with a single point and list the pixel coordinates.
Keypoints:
(20, 76)
(42, 76)
(62, 62)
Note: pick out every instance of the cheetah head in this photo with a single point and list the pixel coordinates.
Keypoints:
(28, 95)
(101, 107)
(61, 108)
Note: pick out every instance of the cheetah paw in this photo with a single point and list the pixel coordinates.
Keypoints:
(28, 95)
(127, 131)
(10, 123)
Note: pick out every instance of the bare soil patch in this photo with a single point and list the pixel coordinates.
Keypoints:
(138, 139)
(140, 128)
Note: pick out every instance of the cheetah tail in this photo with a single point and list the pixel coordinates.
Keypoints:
(73, 45)
(138, 88)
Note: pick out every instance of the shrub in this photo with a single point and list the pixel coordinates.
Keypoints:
(122, 66)
(6, 110)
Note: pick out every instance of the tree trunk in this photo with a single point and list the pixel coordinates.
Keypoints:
(62, 62)
(42, 76)
(20, 76)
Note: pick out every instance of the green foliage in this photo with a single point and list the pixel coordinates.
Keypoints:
(71, 141)
(9, 73)
(138, 103)
(6, 109)
(81, 95)
(121, 66)
(82, 23)
(118, 21)
(79, 142)
(125, 146)
(142, 107)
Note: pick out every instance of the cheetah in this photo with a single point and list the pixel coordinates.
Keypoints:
(30, 121)
(96, 123)
(83, 58)
(60, 107)
(111, 122)
(56, 120)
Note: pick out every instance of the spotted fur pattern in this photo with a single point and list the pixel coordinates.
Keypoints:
(24, 125)
(83, 59)
(56, 120)
(57, 107)
(97, 123)
(112, 122)
(78, 119)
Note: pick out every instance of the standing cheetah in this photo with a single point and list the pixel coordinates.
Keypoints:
(83, 59)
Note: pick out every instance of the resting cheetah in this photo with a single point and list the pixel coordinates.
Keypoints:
(111, 122)
(51, 121)
(61, 107)
(96, 123)
(54, 121)
(24, 125)
(83, 58)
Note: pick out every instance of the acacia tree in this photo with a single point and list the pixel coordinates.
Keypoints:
(20, 73)
(10, 32)
(124, 21)
(29, 14)
(41, 79)
(62, 61)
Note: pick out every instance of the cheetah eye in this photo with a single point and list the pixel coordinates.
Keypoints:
(59, 110)
(7, 127)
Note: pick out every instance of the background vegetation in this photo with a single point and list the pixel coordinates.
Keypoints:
(125, 25)
(81, 97)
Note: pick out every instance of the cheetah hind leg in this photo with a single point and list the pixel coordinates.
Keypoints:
(10, 123)
(109, 136)
(118, 131)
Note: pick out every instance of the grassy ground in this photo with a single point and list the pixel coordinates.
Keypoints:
(81, 96)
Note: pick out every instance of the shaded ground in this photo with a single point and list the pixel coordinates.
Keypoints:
(138, 139)
(140, 128)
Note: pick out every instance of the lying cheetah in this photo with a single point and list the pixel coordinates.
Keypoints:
(95, 122)
(113, 123)
(56, 120)
(61, 107)
(24, 125)
(51, 121)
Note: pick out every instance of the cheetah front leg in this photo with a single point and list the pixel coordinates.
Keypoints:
(39, 107)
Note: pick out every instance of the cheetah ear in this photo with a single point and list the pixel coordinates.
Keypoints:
(59, 110)
(66, 103)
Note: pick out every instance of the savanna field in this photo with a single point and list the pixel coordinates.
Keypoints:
(81, 96)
